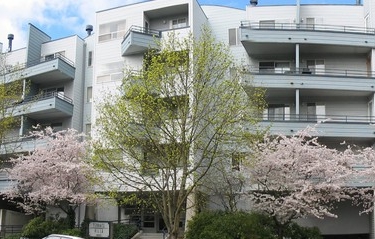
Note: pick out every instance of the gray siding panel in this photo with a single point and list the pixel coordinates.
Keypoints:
(36, 38)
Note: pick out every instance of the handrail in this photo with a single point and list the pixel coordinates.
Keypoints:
(306, 27)
(318, 118)
(37, 62)
(47, 95)
(10, 229)
(143, 30)
(308, 71)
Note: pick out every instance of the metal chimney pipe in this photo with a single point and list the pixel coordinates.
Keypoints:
(89, 29)
(10, 39)
(253, 2)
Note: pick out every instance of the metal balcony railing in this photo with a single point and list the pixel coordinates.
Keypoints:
(143, 30)
(309, 71)
(47, 95)
(11, 69)
(347, 119)
(305, 27)
(6, 230)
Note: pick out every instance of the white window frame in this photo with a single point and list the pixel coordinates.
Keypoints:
(179, 22)
(111, 30)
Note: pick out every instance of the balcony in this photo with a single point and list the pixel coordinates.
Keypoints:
(280, 38)
(138, 40)
(47, 106)
(355, 81)
(20, 145)
(50, 69)
(362, 127)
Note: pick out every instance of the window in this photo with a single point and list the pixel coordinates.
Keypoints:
(89, 95)
(178, 23)
(113, 77)
(266, 67)
(282, 67)
(278, 112)
(89, 60)
(103, 79)
(267, 24)
(176, 106)
(54, 92)
(316, 66)
(55, 126)
(237, 158)
(88, 130)
(49, 57)
(274, 67)
(310, 23)
(112, 30)
(233, 36)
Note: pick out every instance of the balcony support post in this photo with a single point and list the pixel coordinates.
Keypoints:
(372, 60)
(20, 133)
(297, 103)
(298, 15)
(297, 58)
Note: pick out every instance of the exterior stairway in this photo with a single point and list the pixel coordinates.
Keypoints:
(142, 235)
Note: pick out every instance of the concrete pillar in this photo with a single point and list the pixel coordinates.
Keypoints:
(297, 103)
(297, 58)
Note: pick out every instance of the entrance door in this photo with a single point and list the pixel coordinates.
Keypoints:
(148, 221)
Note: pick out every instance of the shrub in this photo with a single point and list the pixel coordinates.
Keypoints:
(124, 231)
(13, 236)
(39, 228)
(72, 232)
(221, 225)
(296, 231)
(241, 225)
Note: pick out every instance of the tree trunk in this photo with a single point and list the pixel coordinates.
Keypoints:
(174, 231)
(279, 228)
(71, 217)
(173, 235)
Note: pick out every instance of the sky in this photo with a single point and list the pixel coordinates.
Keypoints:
(60, 18)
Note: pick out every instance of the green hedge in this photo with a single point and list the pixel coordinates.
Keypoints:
(241, 225)
(38, 227)
(221, 225)
(124, 231)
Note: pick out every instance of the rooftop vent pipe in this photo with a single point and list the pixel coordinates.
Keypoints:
(10, 39)
(89, 29)
(253, 2)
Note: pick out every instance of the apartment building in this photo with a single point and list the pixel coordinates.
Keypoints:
(123, 36)
(53, 76)
(318, 69)
(317, 63)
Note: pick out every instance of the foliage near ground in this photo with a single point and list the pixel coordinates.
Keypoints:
(124, 231)
(242, 225)
(56, 173)
(39, 227)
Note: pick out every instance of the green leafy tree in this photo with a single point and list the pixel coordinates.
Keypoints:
(11, 94)
(173, 121)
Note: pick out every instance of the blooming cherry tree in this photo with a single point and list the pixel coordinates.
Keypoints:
(294, 177)
(56, 173)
